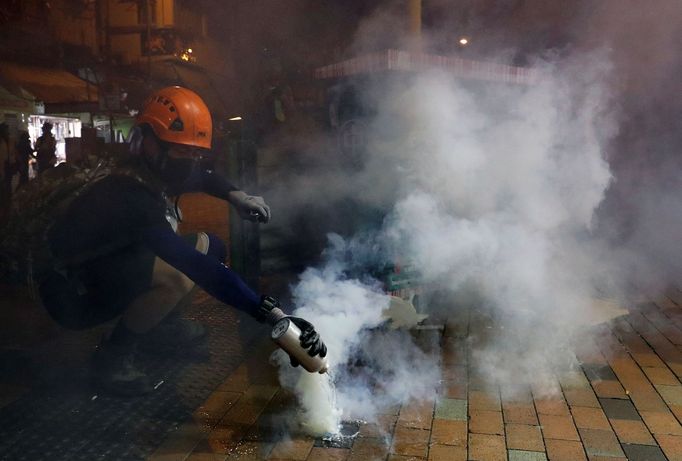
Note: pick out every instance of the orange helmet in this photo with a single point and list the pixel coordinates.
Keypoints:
(178, 115)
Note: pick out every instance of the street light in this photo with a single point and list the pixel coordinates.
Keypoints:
(463, 41)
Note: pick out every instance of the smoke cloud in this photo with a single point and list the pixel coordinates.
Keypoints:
(519, 192)
(370, 366)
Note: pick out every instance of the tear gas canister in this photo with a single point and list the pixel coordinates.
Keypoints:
(287, 336)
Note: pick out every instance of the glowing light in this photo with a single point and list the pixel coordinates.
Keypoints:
(234, 119)
(186, 55)
(463, 41)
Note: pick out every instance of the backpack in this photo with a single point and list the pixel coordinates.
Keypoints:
(24, 249)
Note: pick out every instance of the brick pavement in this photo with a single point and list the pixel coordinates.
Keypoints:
(623, 402)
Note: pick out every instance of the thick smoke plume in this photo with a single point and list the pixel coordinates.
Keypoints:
(501, 189)
(344, 310)
(493, 187)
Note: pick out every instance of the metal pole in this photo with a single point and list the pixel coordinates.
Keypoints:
(147, 5)
(415, 23)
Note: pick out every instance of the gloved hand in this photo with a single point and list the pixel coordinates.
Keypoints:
(310, 339)
(250, 207)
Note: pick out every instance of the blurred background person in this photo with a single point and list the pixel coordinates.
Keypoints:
(46, 149)
(24, 154)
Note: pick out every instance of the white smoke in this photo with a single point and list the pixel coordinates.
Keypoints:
(492, 186)
(343, 310)
(499, 186)
(340, 308)
(495, 186)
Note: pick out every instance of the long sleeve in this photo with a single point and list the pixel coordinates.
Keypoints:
(206, 271)
(208, 181)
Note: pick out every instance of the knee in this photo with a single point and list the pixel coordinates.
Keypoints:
(173, 282)
(216, 247)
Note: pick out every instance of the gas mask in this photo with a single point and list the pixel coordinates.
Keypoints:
(179, 173)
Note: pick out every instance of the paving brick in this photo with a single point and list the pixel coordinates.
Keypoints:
(282, 401)
(588, 354)
(410, 442)
(661, 423)
(581, 398)
(382, 427)
(672, 395)
(518, 455)
(551, 406)
(453, 409)
(479, 383)
(215, 406)
(447, 453)
(647, 400)
(454, 390)
(453, 373)
(417, 414)
(486, 422)
(599, 372)
(482, 400)
(394, 457)
(486, 447)
(224, 439)
(259, 394)
(677, 411)
(609, 390)
(658, 375)
(664, 348)
(619, 409)
(565, 450)
(520, 414)
(453, 349)
(328, 454)
(574, 379)
(648, 360)
(643, 453)
(390, 410)
(598, 442)
(516, 395)
(447, 432)
(633, 432)
(238, 381)
(629, 374)
(250, 451)
(675, 295)
(181, 442)
(242, 413)
(606, 458)
(671, 446)
(662, 323)
(368, 449)
(558, 427)
(666, 303)
(524, 437)
(676, 367)
(295, 449)
(590, 418)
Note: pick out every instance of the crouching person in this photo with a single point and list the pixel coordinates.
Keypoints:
(112, 250)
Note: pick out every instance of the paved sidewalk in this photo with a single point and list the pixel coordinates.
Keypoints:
(624, 402)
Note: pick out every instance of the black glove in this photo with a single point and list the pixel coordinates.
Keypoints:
(310, 339)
